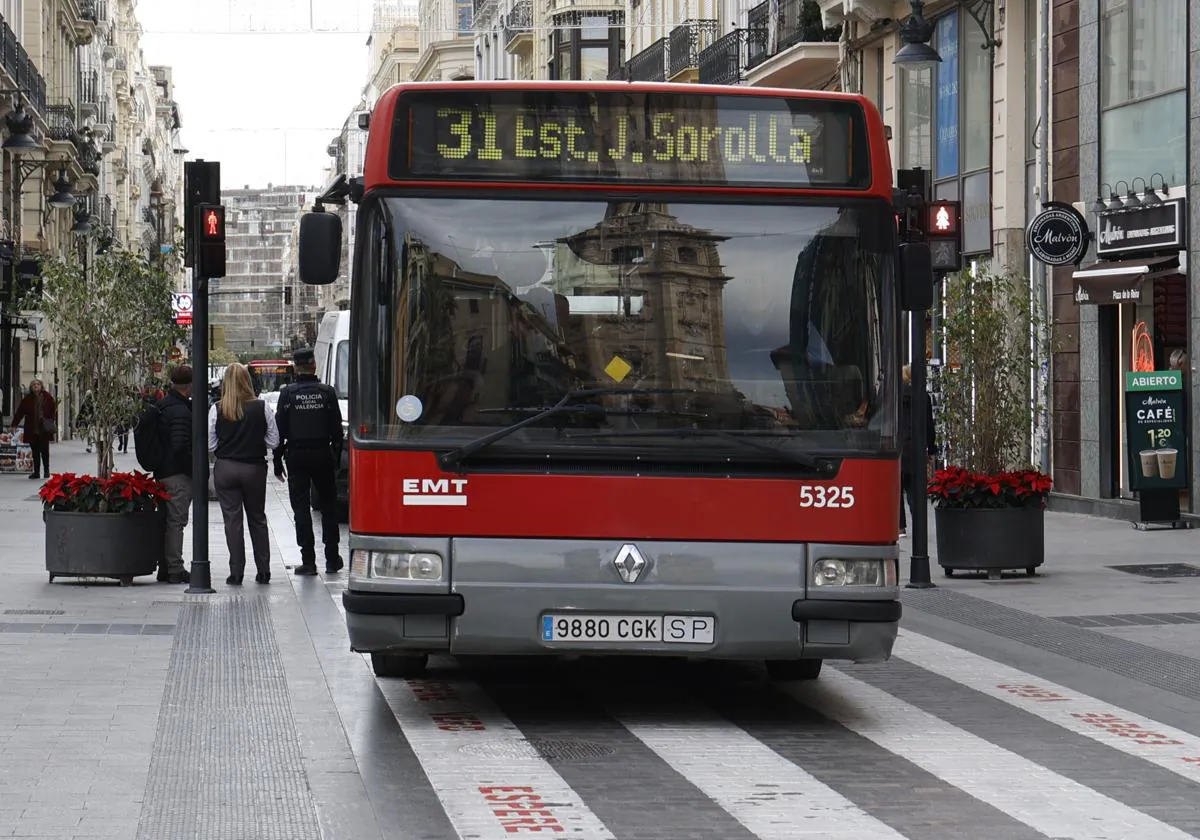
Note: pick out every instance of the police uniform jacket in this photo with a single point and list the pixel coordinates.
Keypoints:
(308, 417)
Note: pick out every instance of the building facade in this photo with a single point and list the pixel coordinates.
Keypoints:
(89, 142)
(1124, 129)
(256, 304)
(446, 40)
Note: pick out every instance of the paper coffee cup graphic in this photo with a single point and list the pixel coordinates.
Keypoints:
(1166, 462)
(1149, 463)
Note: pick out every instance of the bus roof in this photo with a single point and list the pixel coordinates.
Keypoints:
(376, 171)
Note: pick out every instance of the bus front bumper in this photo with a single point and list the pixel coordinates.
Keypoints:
(750, 626)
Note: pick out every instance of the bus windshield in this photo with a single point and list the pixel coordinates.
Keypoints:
(269, 378)
(748, 319)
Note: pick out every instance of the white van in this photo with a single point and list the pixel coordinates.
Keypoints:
(332, 355)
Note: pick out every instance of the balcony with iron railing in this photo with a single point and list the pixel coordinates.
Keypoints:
(518, 26)
(61, 122)
(722, 61)
(21, 69)
(483, 10)
(804, 53)
(89, 93)
(650, 65)
(684, 45)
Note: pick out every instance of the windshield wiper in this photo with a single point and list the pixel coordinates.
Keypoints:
(821, 466)
(456, 455)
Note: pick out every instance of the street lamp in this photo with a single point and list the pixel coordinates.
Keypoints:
(915, 32)
(19, 123)
(83, 222)
(62, 192)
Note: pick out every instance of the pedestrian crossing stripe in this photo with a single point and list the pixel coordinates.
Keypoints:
(1115, 727)
(1045, 801)
(772, 797)
(492, 783)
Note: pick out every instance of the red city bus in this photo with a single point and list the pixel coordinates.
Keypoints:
(270, 375)
(623, 374)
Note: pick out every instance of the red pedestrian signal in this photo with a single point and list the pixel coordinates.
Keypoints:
(212, 226)
(210, 240)
(943, 218)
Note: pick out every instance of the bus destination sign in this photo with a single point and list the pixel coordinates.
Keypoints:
(630, 137)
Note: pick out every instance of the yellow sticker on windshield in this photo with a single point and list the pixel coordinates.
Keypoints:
(618, 368)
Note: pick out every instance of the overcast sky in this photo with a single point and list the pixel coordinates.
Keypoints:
(266, 104)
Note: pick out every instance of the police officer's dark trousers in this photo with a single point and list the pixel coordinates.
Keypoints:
(313, 466)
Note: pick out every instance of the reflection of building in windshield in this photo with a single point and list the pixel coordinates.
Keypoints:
(477, 345)
(645, 296)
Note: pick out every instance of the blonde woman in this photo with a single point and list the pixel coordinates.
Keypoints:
(241, 428)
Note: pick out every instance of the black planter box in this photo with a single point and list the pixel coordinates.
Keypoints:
(112, 545)
(990, 539)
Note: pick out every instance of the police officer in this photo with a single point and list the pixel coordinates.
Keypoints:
(310, 436)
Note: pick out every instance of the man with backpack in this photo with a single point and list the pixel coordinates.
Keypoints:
(162, 442)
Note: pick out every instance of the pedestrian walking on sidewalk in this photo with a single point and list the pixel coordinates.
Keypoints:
(83, 420)
(241, 428)
(38, 411)
(907, 466)
(173, 414)
(310, 434)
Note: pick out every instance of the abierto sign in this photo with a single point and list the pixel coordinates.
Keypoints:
(1159, 227)
(1058, 235)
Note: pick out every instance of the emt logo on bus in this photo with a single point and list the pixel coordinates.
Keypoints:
(435, 492)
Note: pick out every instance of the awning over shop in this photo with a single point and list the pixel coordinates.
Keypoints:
(1120, 282)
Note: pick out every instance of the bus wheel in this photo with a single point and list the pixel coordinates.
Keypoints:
(400, 665)
(782, 670)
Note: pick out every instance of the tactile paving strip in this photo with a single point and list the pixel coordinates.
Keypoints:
(1160, 669)
(227, 761)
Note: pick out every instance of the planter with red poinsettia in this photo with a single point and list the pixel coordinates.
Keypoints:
(110, 527)
(989, 503)
(990, 522)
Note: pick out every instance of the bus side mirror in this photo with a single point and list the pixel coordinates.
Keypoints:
(916, 277)
(320, 249)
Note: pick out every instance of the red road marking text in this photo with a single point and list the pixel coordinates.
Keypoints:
(1033, 692)
(519, 809)
(429, 690)
(457, 722)
(1126, 729)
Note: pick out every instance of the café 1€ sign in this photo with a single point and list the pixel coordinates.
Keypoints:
(1058, 235)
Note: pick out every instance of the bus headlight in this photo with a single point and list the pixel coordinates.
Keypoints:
(857, 572)
(397, 565)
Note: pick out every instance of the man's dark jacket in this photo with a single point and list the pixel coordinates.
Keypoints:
(175, 425)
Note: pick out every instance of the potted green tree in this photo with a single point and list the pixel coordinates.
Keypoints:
(989, 502)
(111, 322)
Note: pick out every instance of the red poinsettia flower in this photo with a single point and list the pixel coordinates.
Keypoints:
(961, 488)
(132, 492)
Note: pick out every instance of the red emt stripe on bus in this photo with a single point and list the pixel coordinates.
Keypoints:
(627, 507)
(1126, 729)
(520, 809)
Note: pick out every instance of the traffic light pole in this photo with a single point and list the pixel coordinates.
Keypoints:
(918, 564)
(201, 582)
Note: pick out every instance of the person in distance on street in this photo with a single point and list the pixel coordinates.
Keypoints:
(241, 428)
(175, 419)
(310, 434)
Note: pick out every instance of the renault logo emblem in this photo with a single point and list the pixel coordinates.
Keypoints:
(629, 563)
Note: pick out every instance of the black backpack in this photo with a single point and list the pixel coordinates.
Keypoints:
(148, 439)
